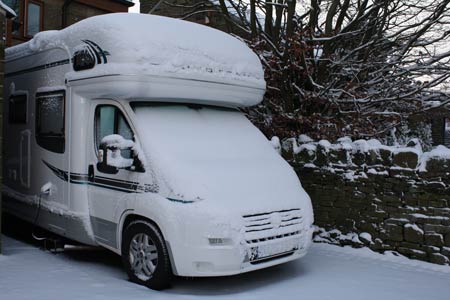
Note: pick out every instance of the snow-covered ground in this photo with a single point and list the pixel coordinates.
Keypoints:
(327, 272)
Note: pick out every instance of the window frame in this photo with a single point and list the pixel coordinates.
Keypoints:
(41, 138)
(25, 17)
(116, 122)
(15, 122)
(22, 20)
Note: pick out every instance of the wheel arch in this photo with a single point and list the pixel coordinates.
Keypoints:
(130, 217)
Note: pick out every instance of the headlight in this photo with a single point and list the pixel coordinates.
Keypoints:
(220, 241)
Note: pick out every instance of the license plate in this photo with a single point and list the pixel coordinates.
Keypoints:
(273, 249)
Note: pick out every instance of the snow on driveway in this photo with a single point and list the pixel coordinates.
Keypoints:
(327, 272)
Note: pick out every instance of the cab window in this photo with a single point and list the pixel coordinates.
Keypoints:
(110, 120)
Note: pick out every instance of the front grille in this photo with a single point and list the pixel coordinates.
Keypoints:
(280, 236)
(262, 227)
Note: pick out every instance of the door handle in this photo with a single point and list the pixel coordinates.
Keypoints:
(91, 173)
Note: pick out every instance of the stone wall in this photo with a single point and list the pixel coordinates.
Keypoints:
(385, 198)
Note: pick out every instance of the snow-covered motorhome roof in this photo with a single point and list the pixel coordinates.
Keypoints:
(146, 44)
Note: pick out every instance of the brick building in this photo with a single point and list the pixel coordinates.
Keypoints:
(39, 15)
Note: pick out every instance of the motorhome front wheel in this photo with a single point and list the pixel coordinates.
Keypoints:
(145, 256)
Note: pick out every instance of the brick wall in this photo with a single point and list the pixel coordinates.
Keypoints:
(381, 197)
(76, 11)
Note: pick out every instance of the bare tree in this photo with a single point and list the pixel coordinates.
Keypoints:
(344, 67)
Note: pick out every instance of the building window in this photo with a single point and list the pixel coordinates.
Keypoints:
(18, 109)
(33, 18)
(50, 121)
(29, 20)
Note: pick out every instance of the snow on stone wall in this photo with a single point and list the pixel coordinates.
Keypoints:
(383, 197)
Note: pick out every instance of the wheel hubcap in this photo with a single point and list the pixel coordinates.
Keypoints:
(143, 256)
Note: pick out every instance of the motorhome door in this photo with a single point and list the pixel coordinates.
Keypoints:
(110, 188)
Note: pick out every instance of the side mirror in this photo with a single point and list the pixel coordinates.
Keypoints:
(110, 158)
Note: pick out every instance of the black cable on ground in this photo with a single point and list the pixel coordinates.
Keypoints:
(35, 221)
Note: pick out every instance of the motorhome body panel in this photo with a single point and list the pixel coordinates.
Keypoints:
(25, 168)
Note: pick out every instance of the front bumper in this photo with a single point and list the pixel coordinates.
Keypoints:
(240, 257)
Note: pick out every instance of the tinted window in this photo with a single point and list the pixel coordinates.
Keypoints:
(50, 121)
(18, 109)
(110, 120)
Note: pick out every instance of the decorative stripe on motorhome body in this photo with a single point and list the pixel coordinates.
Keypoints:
(103, 182)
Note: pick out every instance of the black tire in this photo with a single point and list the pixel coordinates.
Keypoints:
(162, 275)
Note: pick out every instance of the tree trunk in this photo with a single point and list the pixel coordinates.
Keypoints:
(253, 18)
(268, 21)
(278, 20)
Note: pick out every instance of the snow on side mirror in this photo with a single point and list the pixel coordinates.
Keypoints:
(110, 158)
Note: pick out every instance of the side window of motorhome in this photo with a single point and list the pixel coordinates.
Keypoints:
(50, 121)
(110, 120)
(18, 109)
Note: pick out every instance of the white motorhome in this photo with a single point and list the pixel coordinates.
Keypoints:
(124, 131)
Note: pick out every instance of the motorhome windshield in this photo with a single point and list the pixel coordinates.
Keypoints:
(194, 133)
(205, 152)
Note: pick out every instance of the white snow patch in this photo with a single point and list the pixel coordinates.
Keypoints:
(345, 139)
(117, 141)
(310, 165)
(325, 144)
(360, 146)
(375, 172)
(440, 152)
(366, 236)
(275, 141)
(311, 148)
(303, 139)
(414, 227)
(347, 273)
(422, 216)
(374, 143)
